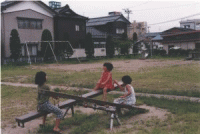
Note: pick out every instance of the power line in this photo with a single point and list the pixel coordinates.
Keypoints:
(165, 7)
(140, 4)
(130, 11)
(175, 19)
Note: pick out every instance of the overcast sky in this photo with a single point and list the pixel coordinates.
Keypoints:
(152, 12)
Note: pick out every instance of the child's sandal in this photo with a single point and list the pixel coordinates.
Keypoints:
(42, 125)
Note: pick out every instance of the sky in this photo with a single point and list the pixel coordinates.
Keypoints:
(159, 15)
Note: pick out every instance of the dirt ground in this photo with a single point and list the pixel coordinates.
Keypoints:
(122, 65)
(31, 127)
(127, 65)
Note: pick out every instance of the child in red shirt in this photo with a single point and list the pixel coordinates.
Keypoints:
(105, 82)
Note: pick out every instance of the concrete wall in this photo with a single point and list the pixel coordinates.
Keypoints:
(182, 45)
(9, 22)
(97, 52)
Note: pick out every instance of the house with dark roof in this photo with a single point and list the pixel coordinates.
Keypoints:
(66, 21)
(29, 18)
(183, 40)
(115, 25)
(176, 30)
(159, 38)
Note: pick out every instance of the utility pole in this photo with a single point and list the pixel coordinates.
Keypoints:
(148, 29)
(127, 11)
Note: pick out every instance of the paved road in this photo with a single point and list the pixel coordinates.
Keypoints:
(171, 97)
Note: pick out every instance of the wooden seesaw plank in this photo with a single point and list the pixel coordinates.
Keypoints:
(84, 99)
(68, 103)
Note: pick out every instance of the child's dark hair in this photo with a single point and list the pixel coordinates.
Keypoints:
(108, 65)
(40, 78)
(126, 79)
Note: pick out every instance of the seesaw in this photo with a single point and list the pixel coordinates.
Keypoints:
(105, 106)
(86, 98)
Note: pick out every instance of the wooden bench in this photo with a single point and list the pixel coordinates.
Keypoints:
(68, 103)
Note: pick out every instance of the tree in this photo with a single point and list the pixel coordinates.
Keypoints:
(125, 46)
(110, 49)
(67, 49)
(135, 46)
(89, 46)
(135, 37)
(124, 36)
(2, 52)
(15, 46)
(45, 48)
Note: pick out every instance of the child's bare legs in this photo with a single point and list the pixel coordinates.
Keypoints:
(57, 123)
(43, 121)
(97, 86)
(104, 94)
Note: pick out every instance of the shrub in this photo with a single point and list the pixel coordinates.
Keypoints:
(15, 46)
(123, 46)
(66, 48)
(89, 46)
(45, 48)
(158, 52)
(110, 50)
(178, 52)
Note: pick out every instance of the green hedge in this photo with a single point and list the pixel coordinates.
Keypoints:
(178, 52)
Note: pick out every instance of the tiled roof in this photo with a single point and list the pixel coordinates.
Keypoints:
(183, 33)
(152, 34)
(7, 4)
(105, 20)
(157, 38)
(68, 13)
(94, 31)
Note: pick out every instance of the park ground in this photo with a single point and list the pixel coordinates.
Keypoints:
(147, 75)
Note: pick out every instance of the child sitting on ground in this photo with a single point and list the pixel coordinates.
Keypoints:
(43, 100)
(129, 97)
(105, 82)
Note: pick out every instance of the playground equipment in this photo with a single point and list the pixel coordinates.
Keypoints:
(87, 101)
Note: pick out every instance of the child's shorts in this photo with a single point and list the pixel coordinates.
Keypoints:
(48, 107)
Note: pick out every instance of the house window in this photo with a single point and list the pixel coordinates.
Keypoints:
(32, 49)
(186, 26)
(28, 23)
(99, 44)
(119, 31)
(76, 27)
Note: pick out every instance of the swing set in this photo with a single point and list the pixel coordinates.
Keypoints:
(50, 45)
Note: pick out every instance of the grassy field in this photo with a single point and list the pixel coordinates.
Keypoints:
(175, 80)
(183, 118)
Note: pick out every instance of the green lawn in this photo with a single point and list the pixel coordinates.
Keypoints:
(183, 118)
(175, 80)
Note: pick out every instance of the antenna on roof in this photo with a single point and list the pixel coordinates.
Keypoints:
(128, 12)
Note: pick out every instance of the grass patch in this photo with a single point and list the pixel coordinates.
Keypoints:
(174, 106)
(17, 101)
(83, 123)
(174, 80)
(184, 118)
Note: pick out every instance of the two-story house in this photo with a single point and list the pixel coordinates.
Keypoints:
(29, 18)
(67, 21)
(115, 24)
